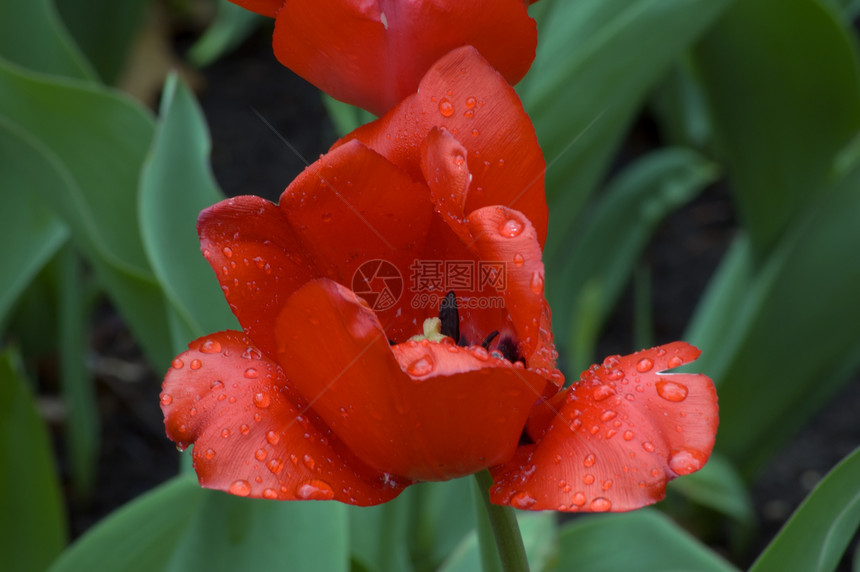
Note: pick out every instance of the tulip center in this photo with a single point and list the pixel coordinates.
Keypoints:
(432, 331)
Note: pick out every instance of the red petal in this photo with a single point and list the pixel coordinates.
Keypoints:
(443, 163)
(265, 7)
(422, 410)
(256, 258)
(505, 235)
(616, 437)
(464, 95)
(353, 209)
(373, 54)
(251, 434)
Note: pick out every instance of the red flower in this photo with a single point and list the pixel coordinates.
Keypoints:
(324, 397)
(373, 54)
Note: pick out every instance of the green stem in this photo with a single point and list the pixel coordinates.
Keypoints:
(506, 532)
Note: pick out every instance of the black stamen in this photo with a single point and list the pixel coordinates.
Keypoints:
(486, 343)
(509, 350)
(392, 343)
(449, 315)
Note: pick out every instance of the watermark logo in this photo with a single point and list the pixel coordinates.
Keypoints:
(379, 282)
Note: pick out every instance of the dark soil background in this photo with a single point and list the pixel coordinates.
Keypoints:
(249, 158)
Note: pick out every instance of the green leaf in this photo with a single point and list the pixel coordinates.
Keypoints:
(592, 275)
(595, 64)
(231, 26)
(344, 116)
(789, 334)
(176, 184)
(256, 534)
(612, 542)
(46, 46)
(781, 110)
(25, 220)
(32, 519)
(817, 534)
(142, 535)
(104, 29)
(96, 141)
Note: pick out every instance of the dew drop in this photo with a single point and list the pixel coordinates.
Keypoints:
(628, 435)
(251, 373)
(166, 399)
(588, 479)
(217, 384)
(177, 363)
(607, 484)
(260, 454)
(270, 494)
(225, 433)
(578, 499)
(648, 446)
(228, 252)
(315, 490)
(309, 462)
(471, 102)
(511, 228)
(262, 399)
(272, 437)
(210, 347)
(326, 217)
(589, 461)
(675, 361)
(244, 429)
(671, 391)
(196, 364)
(420, 367)
(600, 504)
(240, 488)
(644, 364)
(518, 259)
(209, 454)
(522, 500)
(275, 465)
(446, 108)
(602, 392)
(608, 415)
(686, 461)
(536, 283)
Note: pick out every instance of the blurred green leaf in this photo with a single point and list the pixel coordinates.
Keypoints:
(344, 116)
(142, 535)
(46, 46)
(255, 534)
(105, 30)
(588, 281)
(32, 519)
(644, 540)
(540, 538)
(595, 63)
(379, 535)
(96, 140)
(231, 26)
(25, 220)
(176, 184)
(817, 534)
(789, 331)
(718, 486)
(781, 109)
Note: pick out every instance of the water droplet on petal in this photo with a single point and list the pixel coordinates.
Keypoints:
(671, 391)
(518, 259)
(588, 479)
(272, 437)
(628, 435)
(225, 433)
(600, 504)
(217, 384)
(602, 392)
(536, 283)
(644, 365)
(309, 462)
(240, 488)
(262, 400)
(166, 399)
(326, 217)
(686, 461)
(608, 415)
(251, 373)
(196, 364)
(589, 460)
(177, 363)
(260, 454)
(675, 361)
(275, 465)
(511, 228)
(271, 494)
(228, 252)
(522, 500)
(578, 499)
(210, 347)
(420, 367)
(471, 102)
(648, 446)
(315, 490)
(446, 108)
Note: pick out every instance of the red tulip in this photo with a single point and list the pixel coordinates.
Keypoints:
(373, 53)
(329, 395)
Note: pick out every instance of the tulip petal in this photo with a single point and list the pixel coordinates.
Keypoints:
(384, 403)
(505, 235)
(464, 95)
(251, 433)
(264, 7)
(372, 54)
(443, 164)
(354, 208)
(257, 260)
(614, 439)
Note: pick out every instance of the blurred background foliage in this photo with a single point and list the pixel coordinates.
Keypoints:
(755, 102)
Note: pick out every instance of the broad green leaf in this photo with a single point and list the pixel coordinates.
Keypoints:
(380, 535)
(595, 63)
(176, 184)
(96, 141)
(344, 116)
(25, 221)
(142, 535)
(718, 486)
(231, 26)
(540, 537)
(589, 280)
(32, 519)
(781, 109)
(104, 29)
(644, 540)
(46, 46)
(790, 335)
(256, 534)
(817, 534)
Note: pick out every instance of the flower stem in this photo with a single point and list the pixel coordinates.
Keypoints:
(505, 530)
